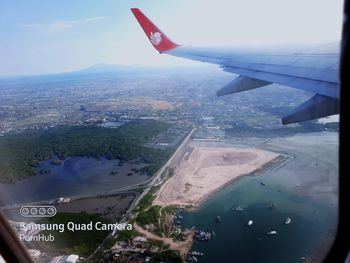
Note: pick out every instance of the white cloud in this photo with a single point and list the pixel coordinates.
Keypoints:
(61, 25)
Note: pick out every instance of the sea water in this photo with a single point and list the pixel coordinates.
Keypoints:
(233, 241)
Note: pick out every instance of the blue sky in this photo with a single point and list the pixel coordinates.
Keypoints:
(40, 37)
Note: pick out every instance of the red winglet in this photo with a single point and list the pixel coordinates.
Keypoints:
(158, 39)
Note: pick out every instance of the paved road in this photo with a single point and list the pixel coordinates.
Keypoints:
(176, 157)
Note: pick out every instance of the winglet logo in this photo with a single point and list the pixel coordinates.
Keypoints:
(155, 38)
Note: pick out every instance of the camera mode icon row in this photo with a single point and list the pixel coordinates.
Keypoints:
(38, 211)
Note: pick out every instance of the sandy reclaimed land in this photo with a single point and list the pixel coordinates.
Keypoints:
(206, 170)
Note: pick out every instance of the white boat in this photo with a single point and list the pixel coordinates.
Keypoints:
(250, 222)
(287, 221)
(273, 232)
(237, 209)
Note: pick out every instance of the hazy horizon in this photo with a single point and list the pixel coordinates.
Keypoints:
(47, 38)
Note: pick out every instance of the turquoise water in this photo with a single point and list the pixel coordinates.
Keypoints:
(235, 242)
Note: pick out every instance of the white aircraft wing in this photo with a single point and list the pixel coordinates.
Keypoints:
(314, 70)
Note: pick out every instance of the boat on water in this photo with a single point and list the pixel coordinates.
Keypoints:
(192, 258)
(250, 222)
(262, 183)
(196, 253)
(273, 232)
(287, 221)
(201, 235)
(237, 209)
(218, 219)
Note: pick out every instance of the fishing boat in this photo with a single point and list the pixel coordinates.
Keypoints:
(287, 221)
(273, 232)
(201, 235)
(237, 209)
(196, 253)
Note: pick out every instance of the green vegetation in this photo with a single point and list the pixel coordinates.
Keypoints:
(146, 201)
(21, 153)
(148, 216)
(154, 214)
(80, 241)
(164, 221)
(127, 235)
(169, 210)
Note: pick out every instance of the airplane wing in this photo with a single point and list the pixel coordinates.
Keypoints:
(314, 70)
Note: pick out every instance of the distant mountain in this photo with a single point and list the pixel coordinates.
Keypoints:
(104, 67)
(112, 69)
(115, 68)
